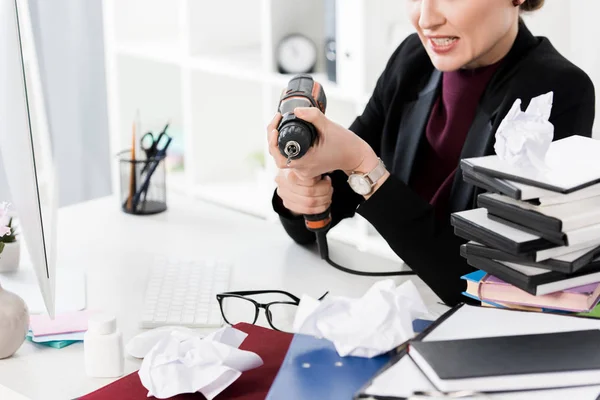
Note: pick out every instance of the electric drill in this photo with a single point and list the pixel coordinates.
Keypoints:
(296, 136)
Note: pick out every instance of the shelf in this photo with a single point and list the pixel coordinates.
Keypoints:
(241, 63)
(157, 52)
(146, 20)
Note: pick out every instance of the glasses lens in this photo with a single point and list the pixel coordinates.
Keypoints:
(282, 316)
(238, 309)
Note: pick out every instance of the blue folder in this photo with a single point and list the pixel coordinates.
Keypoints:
(312, 369)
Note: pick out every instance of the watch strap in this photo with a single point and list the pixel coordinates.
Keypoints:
(376, 173)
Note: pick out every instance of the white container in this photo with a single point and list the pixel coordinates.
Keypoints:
(103, 347)
(10, 257)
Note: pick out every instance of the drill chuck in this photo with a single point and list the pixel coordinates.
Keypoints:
(292, 149)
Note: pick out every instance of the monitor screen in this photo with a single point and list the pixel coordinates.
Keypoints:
(25, 146)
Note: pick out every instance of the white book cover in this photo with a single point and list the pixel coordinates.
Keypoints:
(574, 215)
(572, 164)
(583, 239)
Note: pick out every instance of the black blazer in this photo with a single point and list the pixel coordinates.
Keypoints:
(393, 123)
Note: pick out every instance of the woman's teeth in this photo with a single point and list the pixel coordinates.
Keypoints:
(443, 41)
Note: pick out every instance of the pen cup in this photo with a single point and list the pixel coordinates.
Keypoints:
(143, 184)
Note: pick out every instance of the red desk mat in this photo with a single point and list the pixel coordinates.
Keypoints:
(269, 344)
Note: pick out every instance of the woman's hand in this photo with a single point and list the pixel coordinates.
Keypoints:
(303, 196)
(336, 148)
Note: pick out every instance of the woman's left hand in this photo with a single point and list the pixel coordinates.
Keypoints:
(336, 147)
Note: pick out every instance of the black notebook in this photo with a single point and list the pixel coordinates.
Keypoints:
(566, 264)
(476, 224)
(504, 363)
(561, 218)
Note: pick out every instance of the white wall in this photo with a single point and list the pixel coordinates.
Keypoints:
(572, 27)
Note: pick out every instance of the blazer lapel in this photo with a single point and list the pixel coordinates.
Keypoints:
(412, 128)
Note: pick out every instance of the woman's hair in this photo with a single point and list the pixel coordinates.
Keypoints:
(532, 5)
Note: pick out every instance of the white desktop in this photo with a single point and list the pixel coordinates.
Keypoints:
(115, 251)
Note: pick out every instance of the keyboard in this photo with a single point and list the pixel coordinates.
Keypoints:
(183, 293)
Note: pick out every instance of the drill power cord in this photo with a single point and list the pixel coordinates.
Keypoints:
(324, 252)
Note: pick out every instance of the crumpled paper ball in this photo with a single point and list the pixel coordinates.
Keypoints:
(523, 138)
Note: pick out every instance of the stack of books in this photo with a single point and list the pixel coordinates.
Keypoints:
(535, 236)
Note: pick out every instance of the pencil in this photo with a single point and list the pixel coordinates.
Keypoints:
(132, 171)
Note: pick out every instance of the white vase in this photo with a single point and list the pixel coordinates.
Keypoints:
(10, 257)
(14, 323)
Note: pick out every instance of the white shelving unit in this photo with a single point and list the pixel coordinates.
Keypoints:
(208, 67)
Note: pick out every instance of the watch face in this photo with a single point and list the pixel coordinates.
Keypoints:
(359, 184)
(296, 54)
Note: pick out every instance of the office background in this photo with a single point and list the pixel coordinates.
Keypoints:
(103, 61)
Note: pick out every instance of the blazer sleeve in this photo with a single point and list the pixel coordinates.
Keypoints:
(576, 117)
(368, 126)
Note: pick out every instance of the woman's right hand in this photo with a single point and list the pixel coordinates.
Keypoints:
(304, 197)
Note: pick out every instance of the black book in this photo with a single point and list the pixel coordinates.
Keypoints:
(566, 264)
(478, 227)
(505, 363)
(558, 219)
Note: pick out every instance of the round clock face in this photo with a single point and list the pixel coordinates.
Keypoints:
(296, 54)
(359, 184)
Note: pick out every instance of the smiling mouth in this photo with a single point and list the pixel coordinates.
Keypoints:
(442, 45)
(443, 42)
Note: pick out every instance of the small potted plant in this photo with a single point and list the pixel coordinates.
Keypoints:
(10, 248)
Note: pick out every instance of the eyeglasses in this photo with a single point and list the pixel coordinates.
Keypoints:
(236, 308)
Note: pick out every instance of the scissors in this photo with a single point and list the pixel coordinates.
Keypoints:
(152, 146)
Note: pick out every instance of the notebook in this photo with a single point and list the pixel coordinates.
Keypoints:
(471, 291)
(566, 264)
(514, 190)
(401, 377)
(494, 290)
(520, 191)
(514, 241)
(572, 164)
(515, 362)
(476, 225)
(564, 217)
(535, 281)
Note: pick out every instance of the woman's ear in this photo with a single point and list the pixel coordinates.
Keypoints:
(517, 3)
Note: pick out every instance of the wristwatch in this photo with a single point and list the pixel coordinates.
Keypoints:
(363, 183)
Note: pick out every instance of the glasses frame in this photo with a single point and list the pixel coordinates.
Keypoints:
(257, 305)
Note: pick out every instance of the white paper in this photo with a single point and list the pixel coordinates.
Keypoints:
(53, 338)
(140, 345)
(365, 327)
(182, 364)
(523, 138)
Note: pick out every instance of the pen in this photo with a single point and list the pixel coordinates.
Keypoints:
(158, 156)
(132, 180)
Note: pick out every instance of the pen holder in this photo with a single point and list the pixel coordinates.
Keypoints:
(143, 184)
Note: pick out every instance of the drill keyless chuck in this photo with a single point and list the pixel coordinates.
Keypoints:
(292, 148)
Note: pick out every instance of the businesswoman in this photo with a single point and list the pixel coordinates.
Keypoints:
(440, 98)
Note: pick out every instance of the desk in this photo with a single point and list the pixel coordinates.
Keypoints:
(114, 249)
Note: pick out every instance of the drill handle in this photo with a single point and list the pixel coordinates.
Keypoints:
(318, 222)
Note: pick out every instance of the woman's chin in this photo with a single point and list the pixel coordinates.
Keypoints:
(447, 63)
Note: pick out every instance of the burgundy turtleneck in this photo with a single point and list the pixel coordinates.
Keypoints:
(445, 134)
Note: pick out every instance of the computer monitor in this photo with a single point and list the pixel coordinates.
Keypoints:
(25, 147)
